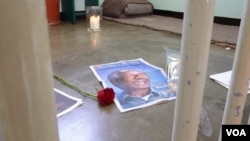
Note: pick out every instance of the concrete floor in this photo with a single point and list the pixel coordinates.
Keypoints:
(74, 49)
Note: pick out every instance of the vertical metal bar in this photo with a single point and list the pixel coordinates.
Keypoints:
(248, 120)
(196, 37)
(240, 78)
(240, 73)
(27, 103)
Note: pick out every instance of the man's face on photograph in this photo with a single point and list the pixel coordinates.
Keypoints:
(135, 80)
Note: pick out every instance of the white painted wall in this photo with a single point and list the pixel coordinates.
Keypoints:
(223, 8)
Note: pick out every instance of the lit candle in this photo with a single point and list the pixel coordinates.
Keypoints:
(95, 22)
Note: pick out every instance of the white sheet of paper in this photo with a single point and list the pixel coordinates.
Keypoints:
(224, 79)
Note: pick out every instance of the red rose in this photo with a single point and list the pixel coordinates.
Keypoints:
(106, 96)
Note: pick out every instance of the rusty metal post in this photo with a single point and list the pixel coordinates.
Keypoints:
(196, 37)
(240, 78)
(27, 103)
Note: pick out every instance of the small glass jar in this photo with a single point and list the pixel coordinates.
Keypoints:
(94, 17)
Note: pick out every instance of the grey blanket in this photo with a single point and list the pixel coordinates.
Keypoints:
(116, 8)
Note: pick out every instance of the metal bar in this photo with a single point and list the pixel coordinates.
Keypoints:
(248, 120)
(240, 73)
(240, 78)
(27, 103)
(196, 37)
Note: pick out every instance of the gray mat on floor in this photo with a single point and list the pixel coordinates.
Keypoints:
(222, 35)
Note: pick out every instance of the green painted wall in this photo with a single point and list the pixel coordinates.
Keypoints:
(223, 8)
(229, 8)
